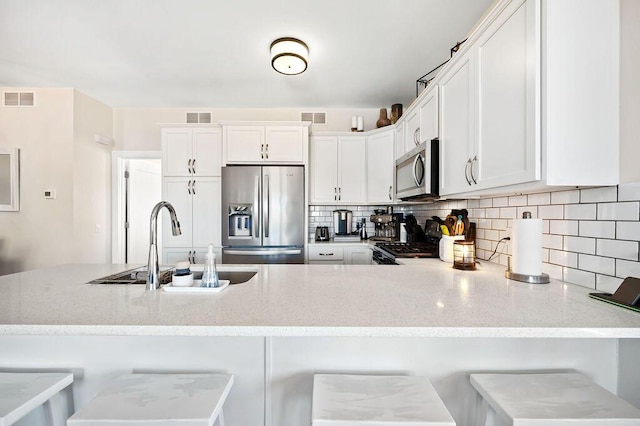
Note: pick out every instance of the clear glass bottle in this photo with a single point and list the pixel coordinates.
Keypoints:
(210, 274)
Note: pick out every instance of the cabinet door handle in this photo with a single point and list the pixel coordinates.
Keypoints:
(189, 187)
(193, 257)
(339, 193)
(466, 173)
(262, 151)
(193, 166)
(390, 188)
(266, 152)
(193, 187)
(475, 159)
(325, 254)
(416, 136)
(335, 194)
(189, 165)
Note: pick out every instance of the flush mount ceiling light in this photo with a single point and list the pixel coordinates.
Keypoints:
(289, 56)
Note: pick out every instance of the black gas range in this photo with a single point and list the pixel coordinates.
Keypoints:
(386, 253)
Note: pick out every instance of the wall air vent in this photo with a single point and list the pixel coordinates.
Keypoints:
(199, 117)
(19, 99)
(314, 117)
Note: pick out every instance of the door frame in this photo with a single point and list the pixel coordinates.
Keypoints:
(118, 159)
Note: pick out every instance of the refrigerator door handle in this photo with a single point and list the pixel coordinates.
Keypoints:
(256, 206)
(263, 252)
(267, 204)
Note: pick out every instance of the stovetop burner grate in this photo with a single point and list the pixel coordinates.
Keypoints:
(422, 249)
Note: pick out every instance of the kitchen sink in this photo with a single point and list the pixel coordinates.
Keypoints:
(235, 275)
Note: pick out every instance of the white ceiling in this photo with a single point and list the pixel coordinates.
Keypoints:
(214, 53)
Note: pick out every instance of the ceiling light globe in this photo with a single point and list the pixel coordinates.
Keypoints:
(289, 56)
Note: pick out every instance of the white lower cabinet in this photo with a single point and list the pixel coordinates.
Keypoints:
(197, 205)
(194, 255)
(339, 254)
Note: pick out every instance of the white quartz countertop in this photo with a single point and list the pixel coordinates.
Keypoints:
(423, 298)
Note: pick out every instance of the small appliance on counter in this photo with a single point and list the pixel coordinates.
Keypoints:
(386, 225)
(342, 225)
(322, 233)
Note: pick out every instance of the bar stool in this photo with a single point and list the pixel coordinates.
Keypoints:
(20, 393)
(159, 400)
(544, 399)
(347, 400)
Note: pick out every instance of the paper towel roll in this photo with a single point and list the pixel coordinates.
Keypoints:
(526, 242)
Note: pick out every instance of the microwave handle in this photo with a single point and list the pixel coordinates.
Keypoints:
(415, 163)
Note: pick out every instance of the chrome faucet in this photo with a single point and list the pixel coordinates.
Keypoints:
(153, 269)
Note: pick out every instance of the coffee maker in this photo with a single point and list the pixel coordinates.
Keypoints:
(342, 222)
(387, 225)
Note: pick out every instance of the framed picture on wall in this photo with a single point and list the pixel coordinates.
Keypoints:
(9, 179)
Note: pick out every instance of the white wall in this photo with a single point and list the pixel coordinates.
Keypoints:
(91, 180)
(137, 129)
(39, 234)
(629, 91)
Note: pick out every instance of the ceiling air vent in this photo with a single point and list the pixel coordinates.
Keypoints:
(19, 99)
(199, 117)
(314, 117)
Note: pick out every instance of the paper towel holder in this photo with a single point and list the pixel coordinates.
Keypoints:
(530, 279)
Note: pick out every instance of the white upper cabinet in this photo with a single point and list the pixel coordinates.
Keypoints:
(255, 144)
(511, 121)
(399, 143)
(456, 126)
(412, 129)
(380, 166)
(428, 110)
(191, 151)
(337, 169)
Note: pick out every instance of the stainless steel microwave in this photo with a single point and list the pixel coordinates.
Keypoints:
(417, 173)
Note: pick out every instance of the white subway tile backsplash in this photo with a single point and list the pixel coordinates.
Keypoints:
(628, 231)
(477, 213)
(607, 284)
(507, 212)
(554, 271)
(551, 212)
(545, 255)
(599, 228)
(601, 265)
(518, 200)
(583, 278)
(544, 198)
(486, 202)
(484, 223)
(473, 204)
(483, 244)
(619, 249)
(579, 244)
(565, 197)
(629, 191)
(599, 195)
(563, 258)
(552, 241)
(491, 234)
(501, 202)
(619, 211)
(580, 211)
(499, 224)
(627, 268)
(563, 227)
(493, 213)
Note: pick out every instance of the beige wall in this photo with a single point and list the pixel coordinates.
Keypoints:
(38, 235)
(630, 91)
(138, 129)
(91, 180)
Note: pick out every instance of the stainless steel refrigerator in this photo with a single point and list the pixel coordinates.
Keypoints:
(263, 214)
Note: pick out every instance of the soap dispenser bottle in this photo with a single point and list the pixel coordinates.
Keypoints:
(210, 274)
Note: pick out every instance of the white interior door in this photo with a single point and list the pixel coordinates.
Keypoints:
(145, 190)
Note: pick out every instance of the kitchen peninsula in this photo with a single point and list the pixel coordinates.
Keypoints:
(290, 321)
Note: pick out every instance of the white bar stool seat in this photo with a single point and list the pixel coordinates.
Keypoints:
(348, 400)
(158, 400)
(556, 399)
(20, 393)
